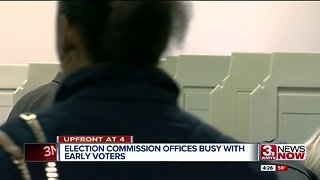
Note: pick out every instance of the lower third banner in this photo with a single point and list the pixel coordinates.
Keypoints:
(157, 152)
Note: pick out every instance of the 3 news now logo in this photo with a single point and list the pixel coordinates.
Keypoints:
(282, 152)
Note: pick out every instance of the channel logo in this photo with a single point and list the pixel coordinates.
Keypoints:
(282, 152)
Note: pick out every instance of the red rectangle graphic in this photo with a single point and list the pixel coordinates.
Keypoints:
(281, 167)
(94, 139)
(40, 152)
(268, 152)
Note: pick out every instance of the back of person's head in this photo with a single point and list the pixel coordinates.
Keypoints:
(312, 162)
(127, 32)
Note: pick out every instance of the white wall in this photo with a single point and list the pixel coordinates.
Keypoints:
(27, 30)
(225, 27)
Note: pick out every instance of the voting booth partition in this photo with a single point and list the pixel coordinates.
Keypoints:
(197, 76)
(39, 74)
(229, 99)
(18, 80)
(287, 103)
(11, 77)
(253, 97)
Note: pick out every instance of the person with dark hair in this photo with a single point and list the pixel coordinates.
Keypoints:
(37, 99)
(109, 52)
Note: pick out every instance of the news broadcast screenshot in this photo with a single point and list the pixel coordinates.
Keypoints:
(159, 90)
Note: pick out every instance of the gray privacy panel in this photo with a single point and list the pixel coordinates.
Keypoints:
(197, 76)
(11, 77)
(242, 124)
(299, 113)
(287, 100)
(229, 113)
(38, 75)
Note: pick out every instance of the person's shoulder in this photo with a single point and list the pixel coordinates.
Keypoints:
(50, 87)
(39, 91)
(35, 100)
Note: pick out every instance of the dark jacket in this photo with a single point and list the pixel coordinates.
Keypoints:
(125, 101)
(38, 99)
